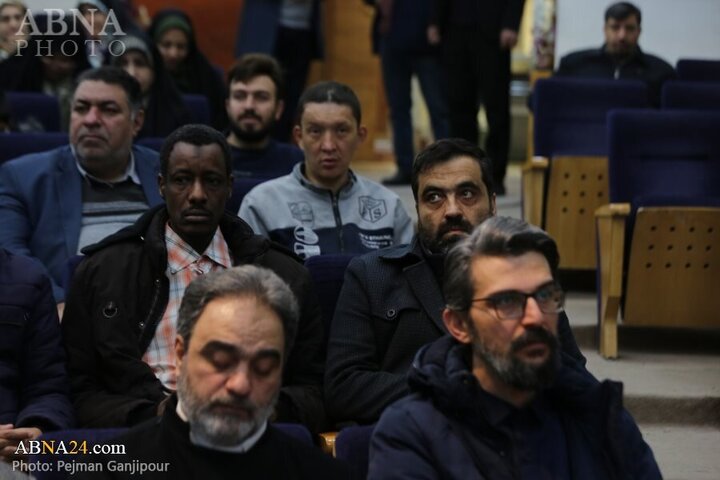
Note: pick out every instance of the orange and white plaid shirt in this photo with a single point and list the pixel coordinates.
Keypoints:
(183, 266)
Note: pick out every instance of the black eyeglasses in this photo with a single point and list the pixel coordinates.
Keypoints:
(510, 305)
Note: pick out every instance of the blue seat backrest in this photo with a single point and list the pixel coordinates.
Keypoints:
(328, 274)
(352, 445)
(71, 440)
(199, 108)
(570, 114)
(241, 186)
(34, 110)
(153, 143)
(698, 70)
(13, 145)
(672, 154)
(691, 95)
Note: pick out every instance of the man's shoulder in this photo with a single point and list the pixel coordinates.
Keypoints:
(273, 187)
(366, 186)
(307, 458)
(17, 271)
(657, 62)
(580, 55)
(389, 261)
(39, 163)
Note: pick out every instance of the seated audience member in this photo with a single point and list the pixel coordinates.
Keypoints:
(391, 301)
(322, 206)
(121, 318)
(49, 64)
(496, 398)
(235, 329)
(162, 103)
(33, 384)
(174, 36)
(108, 21)
(254, 105)
(620, 57)
(54, 203)
(12, 30)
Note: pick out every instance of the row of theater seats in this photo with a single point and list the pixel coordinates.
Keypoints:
(352, 445)
(42, 112)
(633, 193)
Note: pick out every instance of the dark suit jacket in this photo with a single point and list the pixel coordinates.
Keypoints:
(390, 306)
(41, 205)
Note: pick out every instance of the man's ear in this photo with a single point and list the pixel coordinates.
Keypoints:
(138, 120)
(161, 185)
(362, 132)
(279, 109)
(297, 135)
(456, 323)
(180, 351)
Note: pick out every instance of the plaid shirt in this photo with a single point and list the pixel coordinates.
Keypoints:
(184, 265)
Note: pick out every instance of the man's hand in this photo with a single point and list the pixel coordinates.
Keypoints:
(11, 437)
(508, 38)
(433, 35)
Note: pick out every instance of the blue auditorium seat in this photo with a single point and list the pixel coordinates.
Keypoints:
(658, 237)
(567, 179)
(153, 143)
(241, 186)
(691, 95)
(36, 111)
(13, 145)
(353, 446)
(199, 108)
(698, 70)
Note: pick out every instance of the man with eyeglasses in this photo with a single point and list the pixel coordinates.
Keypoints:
(497, 398)
(392, 300)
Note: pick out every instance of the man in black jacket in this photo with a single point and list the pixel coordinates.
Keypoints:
(620, 57)
(391, 301)
(120, 323)
(496, 398)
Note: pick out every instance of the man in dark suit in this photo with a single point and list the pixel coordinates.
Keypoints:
(54, 203)
(391, 302)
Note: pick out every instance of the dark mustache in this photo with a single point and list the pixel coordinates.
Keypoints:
(533, 335)
(250, 114)
(453, 223)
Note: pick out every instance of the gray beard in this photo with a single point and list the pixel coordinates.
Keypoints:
(220, 430)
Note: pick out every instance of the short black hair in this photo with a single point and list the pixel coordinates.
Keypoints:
(448, 149)
(254, 65)
(198, 135)
(622, 10)
(330, 92)
(114, 76)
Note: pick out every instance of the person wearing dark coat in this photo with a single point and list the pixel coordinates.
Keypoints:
(124, 295)
(174, 35)
(162, 103)
(620, 57)
(496, 399)
(34, 396)
(391, 300)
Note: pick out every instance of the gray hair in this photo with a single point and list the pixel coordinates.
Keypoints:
(499, 237)
(244, 281)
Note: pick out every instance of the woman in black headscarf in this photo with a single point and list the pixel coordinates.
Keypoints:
(173, 34)
(164, 109)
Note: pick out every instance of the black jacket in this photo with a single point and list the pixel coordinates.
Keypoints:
(117, 299)
(33, 382)
(390, 305)
(444, 431)
(597, 63)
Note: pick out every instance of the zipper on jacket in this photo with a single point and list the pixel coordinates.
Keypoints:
(156, 295)
(338, 221)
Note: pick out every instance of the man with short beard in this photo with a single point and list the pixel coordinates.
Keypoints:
(391, 301)
(496, 398)
(235, 329)
(254, 105)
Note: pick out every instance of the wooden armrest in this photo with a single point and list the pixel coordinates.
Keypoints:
(533, 189)
(611, 244)
(327, 442)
